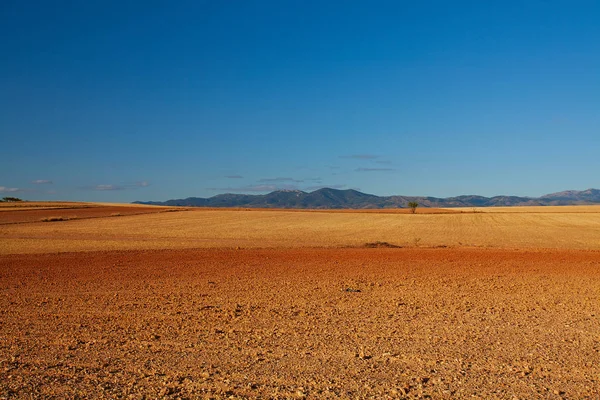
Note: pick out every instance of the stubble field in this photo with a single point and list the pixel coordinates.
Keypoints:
(484, 303)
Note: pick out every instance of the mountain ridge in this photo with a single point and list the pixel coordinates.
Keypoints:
(328, 198)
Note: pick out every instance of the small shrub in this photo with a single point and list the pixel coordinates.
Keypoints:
(56, 219)
(378, 244)
(413, 206)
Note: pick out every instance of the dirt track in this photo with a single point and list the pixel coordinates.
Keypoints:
(294, 323)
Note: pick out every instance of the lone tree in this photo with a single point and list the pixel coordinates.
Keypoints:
(413, 206)
(10, 199)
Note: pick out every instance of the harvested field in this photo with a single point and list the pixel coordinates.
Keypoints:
(200, 228)
(277, 304)
(531, 209)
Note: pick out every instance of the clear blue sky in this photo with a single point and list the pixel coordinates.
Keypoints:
(152, 100)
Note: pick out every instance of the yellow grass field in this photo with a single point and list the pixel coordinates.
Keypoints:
(570, 227)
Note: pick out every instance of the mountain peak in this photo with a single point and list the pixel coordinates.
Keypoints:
(288, 191)
(325, 198)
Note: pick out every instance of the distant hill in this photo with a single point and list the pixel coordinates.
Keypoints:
(353, 199)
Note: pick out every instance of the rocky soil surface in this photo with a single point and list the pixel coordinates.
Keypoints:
(301, 323)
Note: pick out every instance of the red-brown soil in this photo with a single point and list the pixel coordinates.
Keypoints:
(295, 323)
(58, 214)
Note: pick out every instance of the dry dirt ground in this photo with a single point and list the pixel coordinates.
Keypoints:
(298, 321)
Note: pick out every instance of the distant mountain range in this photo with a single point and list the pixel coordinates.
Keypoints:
(353, 199)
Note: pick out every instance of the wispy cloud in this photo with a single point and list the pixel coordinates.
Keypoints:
(280, 179)
(233, 176)
(373, 169)
(254, 188)
(108, 187)
(384, 162)
(4, 189)
(124, 186)
(42, 182)
(361, 156)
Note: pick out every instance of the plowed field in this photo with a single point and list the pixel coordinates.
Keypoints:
(64, 212)
(311, 314)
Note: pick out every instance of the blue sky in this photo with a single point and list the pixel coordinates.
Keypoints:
(123, 101)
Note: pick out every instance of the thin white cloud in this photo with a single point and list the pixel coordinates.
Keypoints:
(255, 188)
(107, 187)
(280, 179)
(42, 182)
(124, 186)
(4, 189)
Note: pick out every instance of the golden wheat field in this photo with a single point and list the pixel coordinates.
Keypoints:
(117, 301)
(573, 227)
